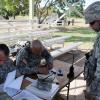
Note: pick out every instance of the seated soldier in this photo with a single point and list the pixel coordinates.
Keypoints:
(29, 58)
(6, 64)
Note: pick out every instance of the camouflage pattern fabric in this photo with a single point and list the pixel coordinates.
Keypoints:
(33, 61)
(92, 13)
(4, 96)
(92, 70)
(5, 69)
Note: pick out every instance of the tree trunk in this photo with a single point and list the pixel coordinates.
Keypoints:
(39, 22)
(14, 16)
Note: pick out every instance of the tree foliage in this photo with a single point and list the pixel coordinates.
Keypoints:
(13, 7)
(43, 11)
(62, 6)
(58, 6)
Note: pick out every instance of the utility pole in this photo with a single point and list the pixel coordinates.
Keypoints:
(31, 13)
(31, 10)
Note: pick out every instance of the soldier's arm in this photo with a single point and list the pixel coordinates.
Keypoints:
(26, 70)
(48, 58)
(21, 55)
(97, 72)
(23, 65)
(12, 67)
(97, 55)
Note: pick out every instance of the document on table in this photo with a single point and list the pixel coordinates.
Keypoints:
(42, 93)
(12, 84)
(25, 95)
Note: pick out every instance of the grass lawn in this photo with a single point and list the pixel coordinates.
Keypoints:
(84, 34)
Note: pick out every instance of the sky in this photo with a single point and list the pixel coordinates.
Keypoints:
(88, 2)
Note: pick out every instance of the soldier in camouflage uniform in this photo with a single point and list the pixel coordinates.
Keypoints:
(6, 64)
(28, 59)
(92, 65)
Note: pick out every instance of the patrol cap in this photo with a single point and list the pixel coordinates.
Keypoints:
(92, 12)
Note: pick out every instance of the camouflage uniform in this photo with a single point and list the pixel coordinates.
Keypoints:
(92, 13)
(33, 61)
(92, 65)
(4, 96)
(5, 69)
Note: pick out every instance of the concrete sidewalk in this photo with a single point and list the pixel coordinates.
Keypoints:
(76, 89)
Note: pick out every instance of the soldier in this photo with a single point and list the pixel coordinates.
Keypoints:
(92, 65)
(6, 64)
(29, 58)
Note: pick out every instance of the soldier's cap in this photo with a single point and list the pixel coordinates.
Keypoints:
(92, 12)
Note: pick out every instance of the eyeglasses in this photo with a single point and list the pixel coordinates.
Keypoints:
(92, 23)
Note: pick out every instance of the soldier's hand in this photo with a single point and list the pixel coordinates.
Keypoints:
(43, 70)
(50, 66)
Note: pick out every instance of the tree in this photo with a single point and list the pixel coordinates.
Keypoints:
(58, 6)
(63, 6)
(43, 11)
(42, 8)
(79, 8)
(24, 7)
(3, 11)
(13, 7)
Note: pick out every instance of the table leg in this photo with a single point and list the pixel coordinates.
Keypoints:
(68, 87)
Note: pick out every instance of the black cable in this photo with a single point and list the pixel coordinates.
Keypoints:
(70, 75)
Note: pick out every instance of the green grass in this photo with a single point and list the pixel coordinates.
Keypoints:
(78, 34)
(85, 35)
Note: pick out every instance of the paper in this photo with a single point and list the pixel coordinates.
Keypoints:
(41, 93)
(25, 95)
(34, 82)
(10, 78)
(12, 92)
(12, 86)
(16, 84)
